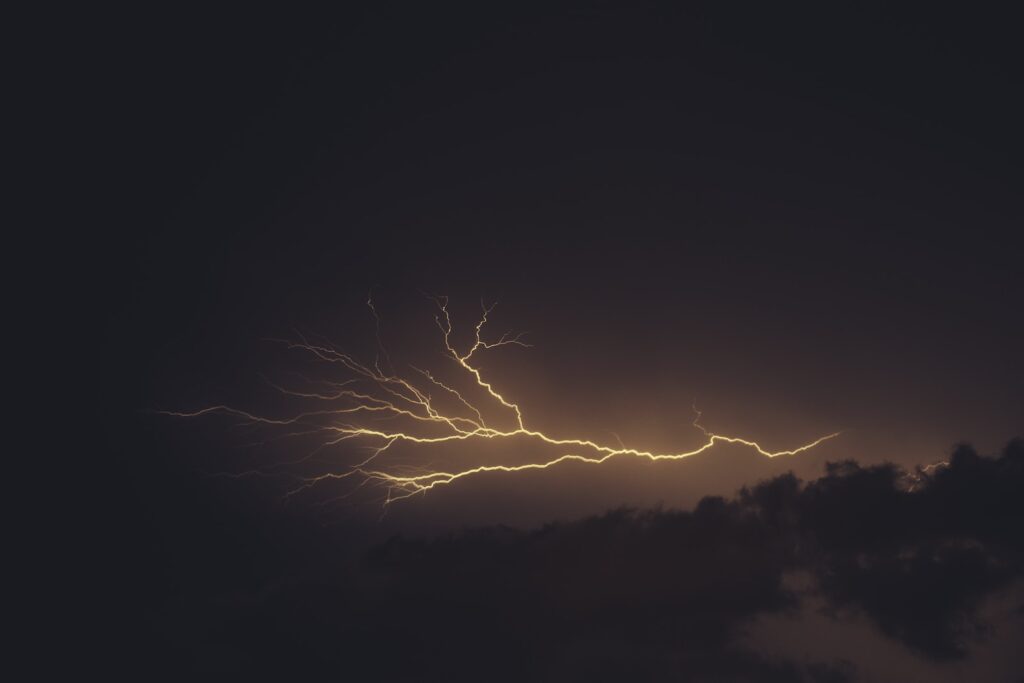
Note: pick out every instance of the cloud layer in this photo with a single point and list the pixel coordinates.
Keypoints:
(644, 595)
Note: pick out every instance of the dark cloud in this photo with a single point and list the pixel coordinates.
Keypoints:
(917, 561)
(632, 595)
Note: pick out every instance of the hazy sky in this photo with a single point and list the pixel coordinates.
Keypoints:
(802, 228)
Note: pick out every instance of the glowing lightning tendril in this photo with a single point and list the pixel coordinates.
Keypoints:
(372, 391)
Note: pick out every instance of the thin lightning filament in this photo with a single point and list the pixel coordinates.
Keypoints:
(418, 417)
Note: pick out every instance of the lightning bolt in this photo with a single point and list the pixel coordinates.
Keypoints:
(381, 410)
(922, 474)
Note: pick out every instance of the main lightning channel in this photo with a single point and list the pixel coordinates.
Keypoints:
(391, 395)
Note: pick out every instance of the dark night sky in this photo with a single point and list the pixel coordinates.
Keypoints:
(807, 219)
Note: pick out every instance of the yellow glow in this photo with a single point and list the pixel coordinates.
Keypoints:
(387, 393)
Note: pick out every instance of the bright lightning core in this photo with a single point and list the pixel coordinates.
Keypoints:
(371, 405)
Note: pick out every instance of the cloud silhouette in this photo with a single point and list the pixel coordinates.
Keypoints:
(918, 562)
(638, 595)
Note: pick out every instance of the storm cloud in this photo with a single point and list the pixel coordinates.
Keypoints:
(636, 595)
